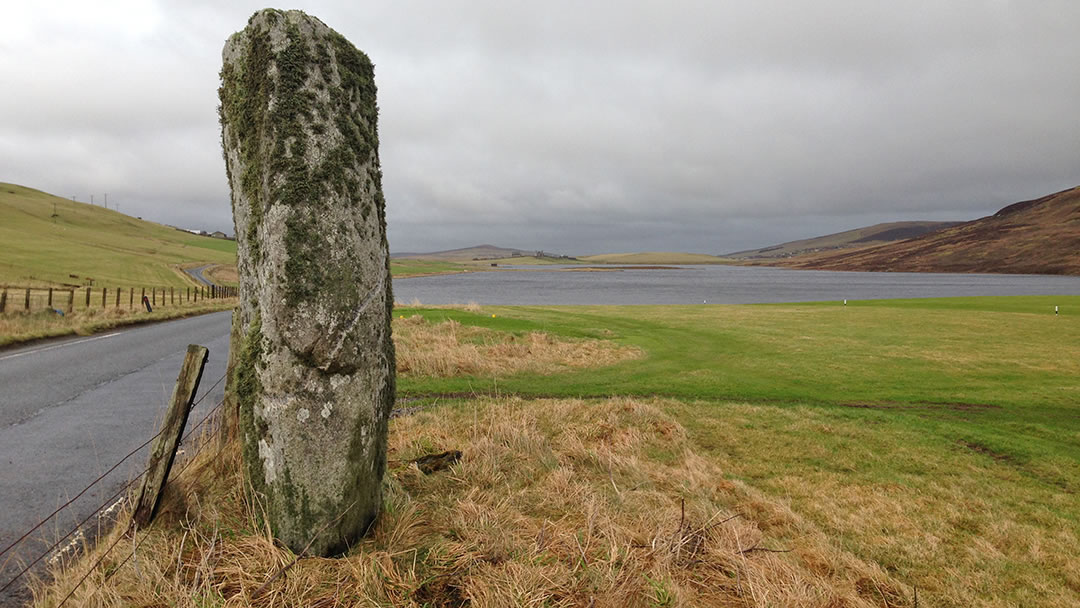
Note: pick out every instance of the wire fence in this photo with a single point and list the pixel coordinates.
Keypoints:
(66, 300)
(108, 503)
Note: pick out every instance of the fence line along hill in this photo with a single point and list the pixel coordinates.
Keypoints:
(48, 241)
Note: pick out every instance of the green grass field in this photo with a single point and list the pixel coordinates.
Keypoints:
(937, 438)
(416, 268)
(92, 242)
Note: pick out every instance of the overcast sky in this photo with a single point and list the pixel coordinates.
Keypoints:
(581, 127)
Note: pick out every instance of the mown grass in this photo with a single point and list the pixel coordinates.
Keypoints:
(38, 248)
(415, 268)
(885, 447)
(939, 438)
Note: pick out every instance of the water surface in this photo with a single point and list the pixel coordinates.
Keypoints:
(711, 284)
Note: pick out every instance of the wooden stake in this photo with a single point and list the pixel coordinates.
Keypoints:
(163, 450)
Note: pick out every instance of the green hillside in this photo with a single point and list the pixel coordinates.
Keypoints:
(40, 249)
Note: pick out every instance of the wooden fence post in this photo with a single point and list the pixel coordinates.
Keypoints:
(88, 298)
(27, 302)
(71, 301)
(118, 290)
(172, 295)
(163, 450)
(131, 298)
(153, 296)
(50, 297)
(104, 295)
(3, 301)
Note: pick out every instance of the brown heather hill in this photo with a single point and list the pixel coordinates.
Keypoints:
(859, 238)
(1040, 236)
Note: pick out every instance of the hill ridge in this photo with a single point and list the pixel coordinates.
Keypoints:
(856, 237)
(1037, 236)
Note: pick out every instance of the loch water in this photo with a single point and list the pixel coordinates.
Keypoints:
(552, 285)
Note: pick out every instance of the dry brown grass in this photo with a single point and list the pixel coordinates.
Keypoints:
(554, 503)
(224, 274)
(22, 327)
(452, 349)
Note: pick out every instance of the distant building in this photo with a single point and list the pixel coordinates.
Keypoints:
(219, 235)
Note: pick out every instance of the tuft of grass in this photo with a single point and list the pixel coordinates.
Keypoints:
(452, 349)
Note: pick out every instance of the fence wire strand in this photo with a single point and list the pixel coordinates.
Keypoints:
(132, 527)
(110, 499)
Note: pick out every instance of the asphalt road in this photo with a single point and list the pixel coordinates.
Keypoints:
(197, 274)
(71, 409)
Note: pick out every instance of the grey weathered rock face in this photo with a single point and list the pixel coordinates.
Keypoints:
(313, 360)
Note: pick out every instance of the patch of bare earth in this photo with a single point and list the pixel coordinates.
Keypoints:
(452, 349)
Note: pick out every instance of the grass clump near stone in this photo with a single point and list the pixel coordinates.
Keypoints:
(553, 503)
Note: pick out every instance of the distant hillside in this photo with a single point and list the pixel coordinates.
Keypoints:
(1040, 236)
(44, 240)
(465, 254)
(877, 234)
(654, 257)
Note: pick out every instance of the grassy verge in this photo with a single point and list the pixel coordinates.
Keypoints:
(401, 268)
(24, 327)
(883, 447)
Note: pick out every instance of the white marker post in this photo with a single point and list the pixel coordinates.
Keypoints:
(845, 301)
(1055, 310)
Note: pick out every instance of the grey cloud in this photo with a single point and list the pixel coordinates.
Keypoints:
(588, 127)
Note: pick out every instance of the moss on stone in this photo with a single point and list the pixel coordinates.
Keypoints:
(247, 388)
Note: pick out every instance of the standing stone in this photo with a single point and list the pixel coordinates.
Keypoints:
(313, 362)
